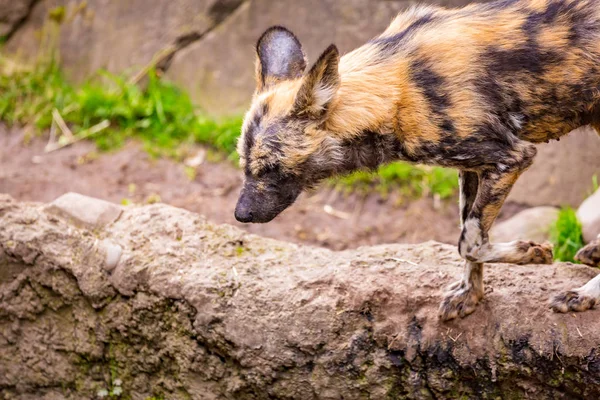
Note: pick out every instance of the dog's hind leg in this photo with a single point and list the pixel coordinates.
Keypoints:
(588, 295)
(580, 299)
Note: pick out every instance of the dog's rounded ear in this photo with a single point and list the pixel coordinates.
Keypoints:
(320, 85)
(279, 57)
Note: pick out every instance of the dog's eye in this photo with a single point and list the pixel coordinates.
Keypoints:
(272, 171)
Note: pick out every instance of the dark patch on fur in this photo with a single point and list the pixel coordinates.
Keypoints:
(472, 152)
(581, 26)
(469, 186)
(503, 101)
(581, 31)
(558, 8)
(389, 45)
(448, 126)
(530, 58)
(370, 150)
(432, 84)
(434, 89)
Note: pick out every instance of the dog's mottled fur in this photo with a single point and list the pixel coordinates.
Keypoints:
(471, 88)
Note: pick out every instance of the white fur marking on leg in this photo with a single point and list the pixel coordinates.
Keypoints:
(592, 288)
(472, 238)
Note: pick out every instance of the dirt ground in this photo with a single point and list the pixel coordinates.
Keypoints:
(325, 218)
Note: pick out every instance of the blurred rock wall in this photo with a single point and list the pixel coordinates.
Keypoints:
(12, 12)
(207, 47)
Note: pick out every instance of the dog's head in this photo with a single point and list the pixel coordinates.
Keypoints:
(283, 148)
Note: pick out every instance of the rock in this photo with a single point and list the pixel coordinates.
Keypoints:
(12, 12)
(589, 216)
(562, 172)
(120, 36)
(530, 224)
(85, 211)
(113, 253)
(204, 311)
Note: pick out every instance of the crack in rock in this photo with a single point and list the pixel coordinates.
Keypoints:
(219, 11)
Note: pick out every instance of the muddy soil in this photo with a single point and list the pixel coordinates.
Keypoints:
(325, 218)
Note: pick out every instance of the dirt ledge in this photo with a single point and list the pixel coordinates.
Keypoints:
(162, 302)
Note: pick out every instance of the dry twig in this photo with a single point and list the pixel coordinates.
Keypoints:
(50, 147)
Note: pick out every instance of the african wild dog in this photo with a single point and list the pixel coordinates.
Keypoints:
(471, 88)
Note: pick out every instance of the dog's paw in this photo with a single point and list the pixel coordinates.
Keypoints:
(590, 254)
(460, 301)
(573, 300)
(535, 253)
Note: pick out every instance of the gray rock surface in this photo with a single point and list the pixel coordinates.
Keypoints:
(530, 224)
(562, 172)
(120, 36)
(589, 216)
(202, 311)
(85, 211)
(12, 12)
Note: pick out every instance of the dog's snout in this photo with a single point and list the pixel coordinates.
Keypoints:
(243, 212)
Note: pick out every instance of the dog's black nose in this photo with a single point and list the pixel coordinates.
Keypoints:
(243, 214)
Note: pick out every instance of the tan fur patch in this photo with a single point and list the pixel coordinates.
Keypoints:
(537, 5)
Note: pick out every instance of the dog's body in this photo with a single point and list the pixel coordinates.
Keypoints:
(471, 88)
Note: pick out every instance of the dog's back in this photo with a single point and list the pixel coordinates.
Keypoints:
(526, 67)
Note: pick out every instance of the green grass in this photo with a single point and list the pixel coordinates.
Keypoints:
(566, 235)
(595, 184)
(162, 115)
(407, 179)
(164, 118)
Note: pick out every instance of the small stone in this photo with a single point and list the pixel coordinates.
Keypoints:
(531, 224)
(589, 216)
(113, 254)
(84, 211)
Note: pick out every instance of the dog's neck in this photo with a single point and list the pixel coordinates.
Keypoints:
(369, 151)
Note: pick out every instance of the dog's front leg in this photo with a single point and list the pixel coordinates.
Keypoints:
(463, 295)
